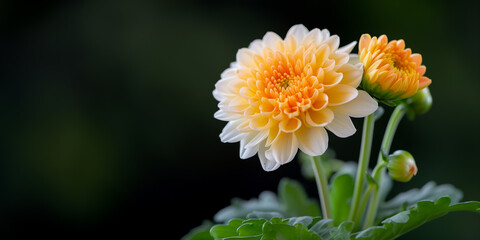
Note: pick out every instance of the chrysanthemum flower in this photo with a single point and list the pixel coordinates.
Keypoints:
(391, 72)
(280, 95)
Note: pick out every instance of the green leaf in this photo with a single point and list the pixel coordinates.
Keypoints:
(264, 215)
(292, 201)
(419, 214)
(251, 227)
(429, 191)
(266, 202)
(342, 232)
(323, 228)
(274, 231)
(341, 192)
(295, 199)
(201, 232)
(228, 230)
(305, 228)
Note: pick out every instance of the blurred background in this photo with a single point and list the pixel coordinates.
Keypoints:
(107, 121)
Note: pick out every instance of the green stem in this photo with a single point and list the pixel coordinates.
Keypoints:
(365, 149)
(363, 203)
(322, 186)
(379, 170)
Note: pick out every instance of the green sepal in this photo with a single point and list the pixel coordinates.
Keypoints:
(388, 97)
(371, 180)
(384, 154)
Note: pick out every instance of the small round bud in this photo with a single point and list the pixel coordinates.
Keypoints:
(401, 166)
(421, 102)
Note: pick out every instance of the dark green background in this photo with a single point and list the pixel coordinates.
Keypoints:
(107, 124)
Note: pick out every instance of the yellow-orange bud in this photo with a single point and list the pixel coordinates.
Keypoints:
(391, 72)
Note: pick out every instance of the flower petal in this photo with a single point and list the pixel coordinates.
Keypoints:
(332, 78)
(341, 125)
(237, 104)
(298, 32)
(347, 48)
(256, 46)
(254, 138)
(290, 125)
(245, 58)
(230, 133)
(333, 42)
(314, 36)
(226, 116)
(352, 74)
(340, 94)
(354, 59)
(363, 105)
(230, 85)
(417, 58)
(219, 96)
(364, 42)
(319, 118)
(423, 82)
(267, 164)
(283, 150)
(260, 123)
(421, 70)
(312, 141)
(325, 34)
(271, 40)
(229, 72)
(247, 152)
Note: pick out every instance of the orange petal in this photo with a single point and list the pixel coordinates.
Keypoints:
(423, 82)
(421, 70)
(364, 42)
(289, 125)
(320, 102)
(416, 58)
(319, 118)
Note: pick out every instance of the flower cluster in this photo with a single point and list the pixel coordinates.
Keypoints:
(280, 95)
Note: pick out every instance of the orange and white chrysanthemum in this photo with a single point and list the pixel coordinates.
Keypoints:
(391, 72)
(281, 94)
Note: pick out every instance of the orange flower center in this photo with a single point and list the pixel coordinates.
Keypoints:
(399, 60)
(284, 83)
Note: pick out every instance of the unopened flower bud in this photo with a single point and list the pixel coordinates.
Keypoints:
(421, 102)
(401, 166)
(391, 71)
